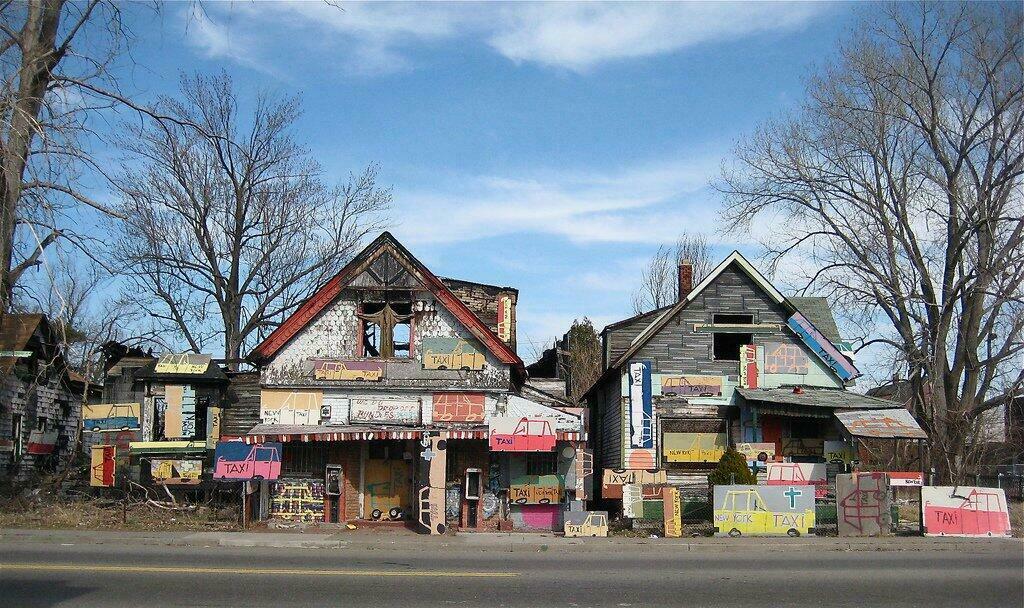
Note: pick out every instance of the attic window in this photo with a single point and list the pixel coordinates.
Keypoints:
(731, 319)
(386, 329)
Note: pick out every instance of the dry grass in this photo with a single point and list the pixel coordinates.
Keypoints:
(89, 513)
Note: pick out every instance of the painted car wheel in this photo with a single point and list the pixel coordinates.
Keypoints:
(376, 514)
(735, 533)
(793, 532)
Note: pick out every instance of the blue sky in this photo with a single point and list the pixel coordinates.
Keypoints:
(548, 147)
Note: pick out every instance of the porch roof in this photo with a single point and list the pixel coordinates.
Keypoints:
(894, 423)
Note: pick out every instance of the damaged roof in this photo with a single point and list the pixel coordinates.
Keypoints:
(831, 398)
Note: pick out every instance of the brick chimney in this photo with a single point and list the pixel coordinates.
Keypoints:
(685, 279)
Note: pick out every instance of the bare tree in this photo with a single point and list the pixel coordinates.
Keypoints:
(659, 282)
(228, 226)
(899, 182)
(581, 361)
(54, 59)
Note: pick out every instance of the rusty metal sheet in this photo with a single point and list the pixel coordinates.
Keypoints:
(883, 424)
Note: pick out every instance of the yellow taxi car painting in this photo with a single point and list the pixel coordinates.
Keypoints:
(764, 510)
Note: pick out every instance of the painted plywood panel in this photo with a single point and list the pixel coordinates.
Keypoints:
(102, 466)
(234, 460)
(785, 359)
(641, 412)
(458, 407)
(513, 434)
(176, 471)
(694, 447)
(347, 369)
(863, 504)
(451, 353)
(297, 500)
(632, 501)
(111, 417)
(673, 512)
(613, 480)
(757, 452)
(290, 407)
(505, 318)
(187, 364)
(172, 410)
(840, 451)
(42, 442)
(586, 523)
(884, 424)
(584, 465)
(385, 410)
(535, 490)
(965, 511)
(691, 386)
(430, 505)
(763, 511)
(749, 373)
(790, 473)
(822, 347)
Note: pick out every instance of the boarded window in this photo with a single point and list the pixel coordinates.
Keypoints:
(732, 319)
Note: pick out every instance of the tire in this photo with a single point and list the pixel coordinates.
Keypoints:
(793, 532)
(735, 533)
(376, 514)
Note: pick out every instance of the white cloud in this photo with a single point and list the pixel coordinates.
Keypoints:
(647, 204)
(217, 39)
(377, 36)
(579, 36)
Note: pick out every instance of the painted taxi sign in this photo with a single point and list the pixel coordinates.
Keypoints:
(763, 510)
(451, 353)
(101, 417)
(328, 369)
(521, 435)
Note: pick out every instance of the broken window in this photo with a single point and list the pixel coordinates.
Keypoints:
(727, 346)
(387, 328)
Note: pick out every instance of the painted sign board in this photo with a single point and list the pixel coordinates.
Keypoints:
(212, 427)
(763, 510)
(673, 512)
(334, 410)
(584, 473)
(863, 504)
(694, 447)
(180, 413)
(535, 490)
(641, 412)
(883, 424)
(785, 359)
(965, 511)
(840, 451)
(234, 460)
(823, 347)
(505, 318)
(186, 364)
(176, 472)
(511, 434)
(106, 417)
(905, 479)
(42, 442)
(102, 465)
(458, 407)
(760, 453)
(632, 501)
(384, 410)
(430, 507)
(586, 523)
(748, 366)
(691, 386)
(451, 353)
(613, 480)
(348, 369)
(290, 407)
(802, 473)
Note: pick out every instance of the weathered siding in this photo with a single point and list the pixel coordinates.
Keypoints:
(241, 405)
(334, 332)
(618, 339)
(610, 422)
(51, 402)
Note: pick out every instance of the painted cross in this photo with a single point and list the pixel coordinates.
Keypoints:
(792, 494)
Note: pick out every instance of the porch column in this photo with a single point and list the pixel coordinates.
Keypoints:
(433, 466)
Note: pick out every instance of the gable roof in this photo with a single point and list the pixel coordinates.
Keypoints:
(733, 259)
(411, 274)
(818, 312)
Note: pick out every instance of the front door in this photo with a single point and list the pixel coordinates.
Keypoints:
(387, 489)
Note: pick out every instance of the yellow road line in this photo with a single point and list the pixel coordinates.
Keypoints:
(255, 571)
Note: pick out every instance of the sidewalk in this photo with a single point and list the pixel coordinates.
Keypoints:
(505, 542)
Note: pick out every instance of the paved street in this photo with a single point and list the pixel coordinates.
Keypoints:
(38, 574)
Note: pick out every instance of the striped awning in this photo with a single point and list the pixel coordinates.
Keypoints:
(378, 434)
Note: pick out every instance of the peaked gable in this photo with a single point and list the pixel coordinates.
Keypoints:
(733, 260)
(384, 264)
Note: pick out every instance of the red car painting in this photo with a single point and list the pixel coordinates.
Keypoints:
(979, 513)
(790, 473)
(528, 436)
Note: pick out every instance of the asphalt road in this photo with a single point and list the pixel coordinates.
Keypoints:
(38, 575)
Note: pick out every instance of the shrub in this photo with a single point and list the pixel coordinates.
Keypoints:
(732, 468)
